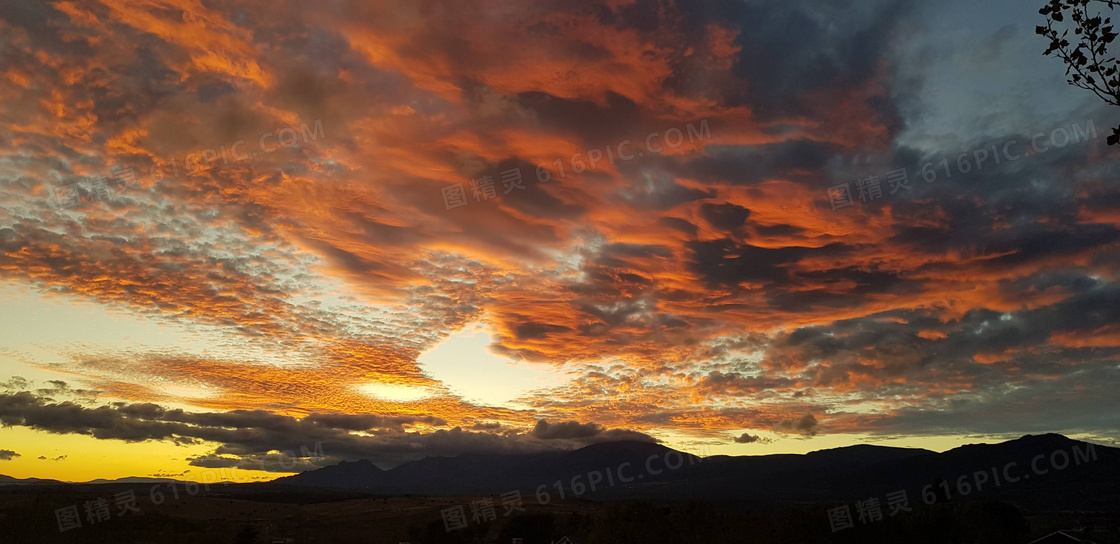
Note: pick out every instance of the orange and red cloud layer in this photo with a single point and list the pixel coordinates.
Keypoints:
(708, 287)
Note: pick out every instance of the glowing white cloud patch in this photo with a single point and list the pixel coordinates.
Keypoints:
(395, 393)
(186, 393)
(465, 364)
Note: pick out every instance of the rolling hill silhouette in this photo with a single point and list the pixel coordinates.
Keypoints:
(1073, 473)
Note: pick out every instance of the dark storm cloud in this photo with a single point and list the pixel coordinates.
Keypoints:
(41, 17)
(726, 216)
(747, 438)
(59, 387)
(858, 284)
(247, 436)
(1029, 370)
(592, 124)
(1079, 316)
(351, 422)
(806, 424)
(567, 430)
(1071, 403)
(677, 223)
(8, 455)
(784, 231)
(628, 255)
(738, 385)
(725, 262)
(794, 50)
(794, 160)
(796, 57)
(533, 199)
(537, 330)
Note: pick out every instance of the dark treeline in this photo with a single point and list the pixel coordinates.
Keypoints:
(252, 518)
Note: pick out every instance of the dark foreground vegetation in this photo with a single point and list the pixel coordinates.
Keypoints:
(244, 514)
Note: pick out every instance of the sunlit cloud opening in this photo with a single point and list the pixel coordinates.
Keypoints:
(395, 393)
(465, 364)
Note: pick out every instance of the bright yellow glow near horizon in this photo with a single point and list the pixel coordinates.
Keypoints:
(87, 458)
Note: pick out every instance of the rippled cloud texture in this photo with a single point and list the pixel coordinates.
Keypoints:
(704, 287)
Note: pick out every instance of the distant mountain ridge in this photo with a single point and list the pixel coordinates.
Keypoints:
(1047, 471)
(133, 480)
(651, 471)
(8, 480)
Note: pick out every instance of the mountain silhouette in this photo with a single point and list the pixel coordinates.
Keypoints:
(8, 480)
(628, 470)
(1036, 471)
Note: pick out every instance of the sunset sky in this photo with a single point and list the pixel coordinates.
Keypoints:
(231, 228)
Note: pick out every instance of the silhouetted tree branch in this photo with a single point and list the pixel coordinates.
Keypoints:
(1088, 63)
